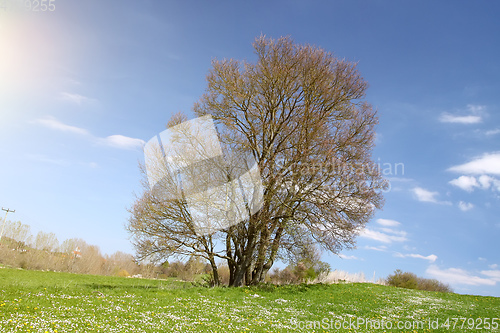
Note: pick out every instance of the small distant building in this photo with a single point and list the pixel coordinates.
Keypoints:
(77, 253)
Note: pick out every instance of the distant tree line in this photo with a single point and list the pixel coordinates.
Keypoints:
(19, 248)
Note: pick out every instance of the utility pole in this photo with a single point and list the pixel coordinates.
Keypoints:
(5, 219)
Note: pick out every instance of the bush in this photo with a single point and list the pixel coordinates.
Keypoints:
(403, 280)
(175, 269)
(224, 274)
(302, 272)
(433, 285)
(411, 281)
(123, 273)
(285, 276)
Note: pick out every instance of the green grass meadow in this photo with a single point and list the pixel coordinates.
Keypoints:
(34, 301)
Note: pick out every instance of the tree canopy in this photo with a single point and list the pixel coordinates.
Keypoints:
(299, 113)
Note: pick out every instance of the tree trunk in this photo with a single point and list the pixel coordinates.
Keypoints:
(241, 268)
(215, 271)
(265, 236)
(260, 273)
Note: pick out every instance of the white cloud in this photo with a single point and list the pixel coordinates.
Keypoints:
(469, 183)
(493, 274)
(478, 172)
(424, 195)
(383, 237)
(381, 248)
(427, 196)
(466, 183)
(493, 132)
(477, 111)
(449, 118)
(117, 141)
(123, 142)
(475, 108)
(388, 223)
(53, 123)
(343, 256)
(431, 258)
(487, 164)
(394, 232)
(465, 206)
(493, 266)
(75, 98)
(486, 181)
(458, 276)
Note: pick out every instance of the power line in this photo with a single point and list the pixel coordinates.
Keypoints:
(5, 219)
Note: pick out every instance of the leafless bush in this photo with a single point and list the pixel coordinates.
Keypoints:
(411, 281)
(285, 276)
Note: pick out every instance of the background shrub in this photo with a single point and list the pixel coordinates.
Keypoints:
(411, 281)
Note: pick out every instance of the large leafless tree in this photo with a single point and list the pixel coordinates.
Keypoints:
(300, 113)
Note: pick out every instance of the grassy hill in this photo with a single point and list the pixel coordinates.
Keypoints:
(33, 301)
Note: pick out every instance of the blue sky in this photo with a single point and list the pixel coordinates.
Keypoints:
(82, 87)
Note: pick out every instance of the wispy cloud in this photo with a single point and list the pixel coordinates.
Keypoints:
(123, 142)
(55, 124)
(473, 118)
(493, 132)
(61, 162)
(488, 163)
(431, 258)
(461, 276)
(75, 98)
(387, 233)
(381, 248)
(45, 159)
(383, 237)
(343, 256)
(388, 223)
(493, 274)
(449, 118)
(394, 232)
(116, 141)
(476, 108)
(465, 206)
(427, 196)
